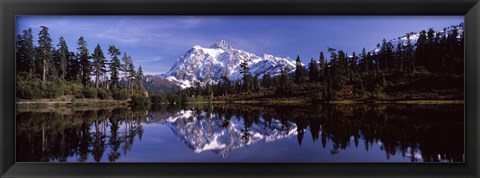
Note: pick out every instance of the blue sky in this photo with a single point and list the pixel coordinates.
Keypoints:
(156, 42)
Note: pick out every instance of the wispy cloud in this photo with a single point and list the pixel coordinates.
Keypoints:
(147, 59)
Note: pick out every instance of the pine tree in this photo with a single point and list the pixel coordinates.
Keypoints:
(256, 84)
(420, 50)
(139, 77)
(45, 52)
(98, 64)
(208, 90)
(399, 57)
(353, 65)
(20, 62)
(389, 56)
(285, 84)
(73, 68)
(25, 52)
(322, 65)
(246, 76)
(126, 60)
(61, 58)
(299, 72)
(365, 61)
(410, 56)
(227, 85)
(267, 81)
(382, 56)
(429, 49)
(85, 66)
(370, 62)
(131, 75)
(313, 71)
(114, 66)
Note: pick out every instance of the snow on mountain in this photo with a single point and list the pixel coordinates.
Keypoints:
(209, 64)
(202, 133)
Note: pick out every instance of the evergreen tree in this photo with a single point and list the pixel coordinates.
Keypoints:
(285, 84)
(410, 56)
(98, 64)
(399, 57)
(45, 52)
(131, 75)
(353, 65)
(389, 56)
(430, 49)
(25, 52)
(208, 90)
(342, 63)
(370, 62)
(322, 65)
(125, 68)
(299, 72)
(20, 63)
(267, 81)
(256, 84)
(420, 51)
(246, 76)
(61, 58)
(139, 77)
(84, 57)
(114, 66)
(198, 89)
(226, 85)
(73, 68)
(365, 61)
(313, 71)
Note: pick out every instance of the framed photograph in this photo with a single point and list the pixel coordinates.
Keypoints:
(247, 89)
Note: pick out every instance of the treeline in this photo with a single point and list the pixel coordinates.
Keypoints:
(435, 52)
(45, 71)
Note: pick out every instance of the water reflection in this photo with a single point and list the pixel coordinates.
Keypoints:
(416, 133)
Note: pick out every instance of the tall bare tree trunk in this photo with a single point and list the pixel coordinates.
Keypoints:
(96, 80)
(44, 72)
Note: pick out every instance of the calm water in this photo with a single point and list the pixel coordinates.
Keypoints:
(327, 133)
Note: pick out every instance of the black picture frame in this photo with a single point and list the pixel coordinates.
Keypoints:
(9, 9)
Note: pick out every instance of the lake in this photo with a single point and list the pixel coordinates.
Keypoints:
(244, 133)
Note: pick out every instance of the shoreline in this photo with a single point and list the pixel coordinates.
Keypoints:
(87, 102)
(298, 102)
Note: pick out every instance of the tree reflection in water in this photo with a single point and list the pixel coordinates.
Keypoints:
(429, 133)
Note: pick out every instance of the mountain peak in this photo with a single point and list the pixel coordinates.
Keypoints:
(208, 65)
(222, 44)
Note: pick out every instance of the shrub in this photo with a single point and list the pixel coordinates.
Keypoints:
(157, 99)
(120, 94)
(24, 89)
(140, 101)
(54, 89)
(89, 92)
(75, 89)
(102, 93)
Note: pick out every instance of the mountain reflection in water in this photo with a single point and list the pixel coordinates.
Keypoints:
(326, 133)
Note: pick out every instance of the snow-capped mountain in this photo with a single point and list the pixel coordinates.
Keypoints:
(209, 64)
(202, 133)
